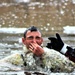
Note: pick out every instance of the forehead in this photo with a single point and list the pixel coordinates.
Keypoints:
(33, 33)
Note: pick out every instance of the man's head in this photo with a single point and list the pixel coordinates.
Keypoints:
(32, 35)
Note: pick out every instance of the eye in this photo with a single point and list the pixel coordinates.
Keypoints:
(38, 38)
(30, 38)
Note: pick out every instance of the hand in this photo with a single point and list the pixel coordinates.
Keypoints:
(56, 43)
(36, 49)
(71, 51)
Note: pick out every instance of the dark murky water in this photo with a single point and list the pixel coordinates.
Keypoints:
(22, 16)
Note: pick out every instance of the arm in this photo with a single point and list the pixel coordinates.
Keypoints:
(58, 45)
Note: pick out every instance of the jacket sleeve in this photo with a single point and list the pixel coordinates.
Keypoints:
(68, 52)
(70, 56)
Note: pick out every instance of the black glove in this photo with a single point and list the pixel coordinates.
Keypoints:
(56, 43)
(70, 51)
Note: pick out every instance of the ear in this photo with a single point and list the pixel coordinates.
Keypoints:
(23, 40)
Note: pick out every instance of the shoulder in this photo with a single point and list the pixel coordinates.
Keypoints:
(47, 49)
(13, 58)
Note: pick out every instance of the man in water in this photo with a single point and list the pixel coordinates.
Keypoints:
(36, 55)
(38, 58)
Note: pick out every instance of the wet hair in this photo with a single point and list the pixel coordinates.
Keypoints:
(33, 28)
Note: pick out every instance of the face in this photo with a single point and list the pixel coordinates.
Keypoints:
(32, 37)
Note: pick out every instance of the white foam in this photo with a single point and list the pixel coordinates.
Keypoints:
(26, 1)
(12, 30)
(69, 29)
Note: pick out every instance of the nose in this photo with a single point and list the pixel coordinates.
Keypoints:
(34, 40)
